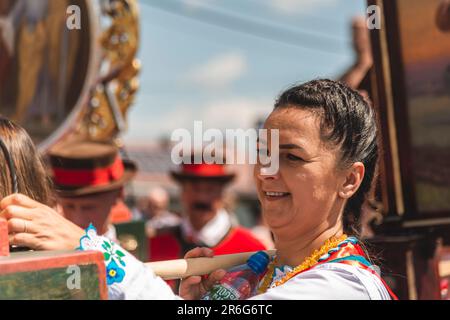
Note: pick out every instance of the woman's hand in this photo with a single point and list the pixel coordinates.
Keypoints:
(34, 225)
(195, 287)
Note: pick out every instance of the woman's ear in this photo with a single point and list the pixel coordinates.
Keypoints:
(353, 178)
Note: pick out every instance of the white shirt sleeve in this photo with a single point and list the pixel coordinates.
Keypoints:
(330, 281)
(140, 283)
(127, 278)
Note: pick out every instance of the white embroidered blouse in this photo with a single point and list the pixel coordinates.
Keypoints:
(130, 279)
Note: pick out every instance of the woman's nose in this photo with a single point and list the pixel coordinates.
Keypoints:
(266, 174)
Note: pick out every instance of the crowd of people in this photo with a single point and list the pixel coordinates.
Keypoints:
(310, 208)
(89, 179)
(312, 204)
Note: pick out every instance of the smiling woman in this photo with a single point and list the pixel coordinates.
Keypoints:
(328, 154)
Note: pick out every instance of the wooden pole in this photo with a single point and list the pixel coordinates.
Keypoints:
(182, 268)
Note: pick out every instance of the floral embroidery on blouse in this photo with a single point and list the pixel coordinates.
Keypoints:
(114, 273)
(327, 255)
(113, 257)
(280, 271)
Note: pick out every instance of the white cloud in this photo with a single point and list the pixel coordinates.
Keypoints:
(300, 6)
(219, 72)
(234, 113)
(231, 113)
(196, 4)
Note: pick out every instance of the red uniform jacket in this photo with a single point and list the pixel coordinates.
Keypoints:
(173, 246)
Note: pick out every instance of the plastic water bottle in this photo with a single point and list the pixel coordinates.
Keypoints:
(240, 282)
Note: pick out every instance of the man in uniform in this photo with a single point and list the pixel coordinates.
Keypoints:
(205, 221)
(89, 179)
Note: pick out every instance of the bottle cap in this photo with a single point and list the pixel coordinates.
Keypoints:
(258, 262)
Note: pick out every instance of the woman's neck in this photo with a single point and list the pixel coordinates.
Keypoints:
(293, 252)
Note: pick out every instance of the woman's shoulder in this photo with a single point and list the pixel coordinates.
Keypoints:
(331, 281)
(345, 281)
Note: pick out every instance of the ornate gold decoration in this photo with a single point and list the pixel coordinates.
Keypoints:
(111, 98)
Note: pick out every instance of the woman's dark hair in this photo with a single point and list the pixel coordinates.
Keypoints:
(32, 178)
(346, 121)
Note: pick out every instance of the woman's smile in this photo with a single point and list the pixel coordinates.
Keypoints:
(275, 195)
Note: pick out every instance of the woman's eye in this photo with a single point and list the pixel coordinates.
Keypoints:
(293, 157)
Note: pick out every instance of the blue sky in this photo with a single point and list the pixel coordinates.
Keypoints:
(217, 60)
